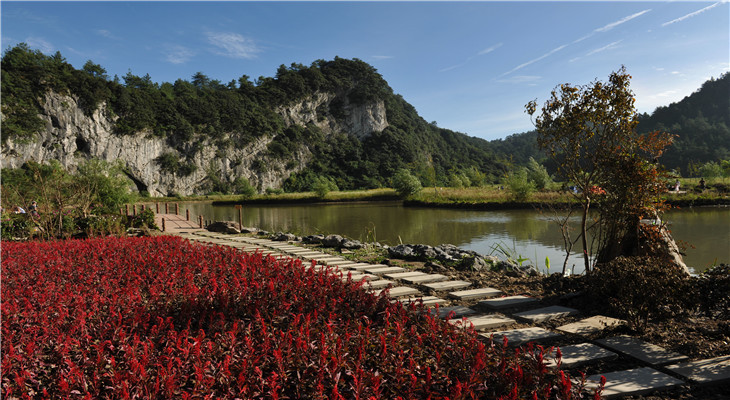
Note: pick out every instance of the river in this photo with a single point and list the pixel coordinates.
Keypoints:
(528, 234)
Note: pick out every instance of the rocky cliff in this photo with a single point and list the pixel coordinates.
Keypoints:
(71, 136)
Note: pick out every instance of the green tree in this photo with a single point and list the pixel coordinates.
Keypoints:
(538, 174)
(519, 184)
(711, 170)
(405, 183)
(589, 132)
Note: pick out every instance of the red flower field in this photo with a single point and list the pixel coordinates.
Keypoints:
(154, 318)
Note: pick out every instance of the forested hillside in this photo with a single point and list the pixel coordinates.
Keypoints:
(192, 115)
(701, 122)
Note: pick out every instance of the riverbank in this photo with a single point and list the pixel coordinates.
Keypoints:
(481, 198)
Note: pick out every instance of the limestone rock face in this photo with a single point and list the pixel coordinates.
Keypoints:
(71, 137)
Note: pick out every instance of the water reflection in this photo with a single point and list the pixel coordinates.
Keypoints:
(529, 233)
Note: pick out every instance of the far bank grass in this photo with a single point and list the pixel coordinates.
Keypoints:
(491, 196)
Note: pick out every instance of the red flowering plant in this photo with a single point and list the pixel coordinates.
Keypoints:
(164, 318)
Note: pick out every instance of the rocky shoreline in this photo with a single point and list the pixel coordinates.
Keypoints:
(434, 257)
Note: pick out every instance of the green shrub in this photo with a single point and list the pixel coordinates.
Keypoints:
(242, 186)
(638, 289)
(323, 185)
(405, 183)
(537, 174)
(15, 226)
(519, 184)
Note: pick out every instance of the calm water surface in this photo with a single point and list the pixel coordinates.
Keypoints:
(526, 233)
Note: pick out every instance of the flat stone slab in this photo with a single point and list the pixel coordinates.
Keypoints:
(384, 270)
(475, 293)
(482, 322)
(313, 256)
(359, 266)
(427, 300)
(380, 284)
(448, 285)
(545, 314)
(425, 278)
(632, 382)
(459, 311)
(580, 354)
(590, 325)
(401, 275)
(641, 350)
(359, 277)
(343, 264)
(330, 260)
(517, 337)
(712, 370)
(399, 291)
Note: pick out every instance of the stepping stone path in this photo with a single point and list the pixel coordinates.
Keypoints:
(590, 325)
(448, 285)
(636, 348)
(482, 322)
(384, 270)
(425, 278)
(400, 291)
(619, 383)
(517, 337)
(427, 300)
(710, 371)
(546, 314)
(579, 354)
(458, 311)
(475, 293)
(633, 382)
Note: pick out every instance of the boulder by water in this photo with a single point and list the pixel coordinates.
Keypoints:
(229, 227)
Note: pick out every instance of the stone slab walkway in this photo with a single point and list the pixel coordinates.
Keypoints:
(447, 285)
(473, 294)
(545, 314)
(649, 353)
(590, 325)
(633, 382)
(458, 311)
(709, 371)
(517, 337)
(503, 303)
(483, 322)
(580, 354)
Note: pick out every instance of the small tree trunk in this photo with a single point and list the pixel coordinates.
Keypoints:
(584, 238)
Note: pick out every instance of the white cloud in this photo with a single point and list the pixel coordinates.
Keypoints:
(546, 55)
(692, 14)
(604, 28)
(178, 54)
(480, 53)
(612, 25)
(40, 44)
(454, 66)
(490, 49)
(383, 57)
(105, 33)
(604, 48)
(233, 45)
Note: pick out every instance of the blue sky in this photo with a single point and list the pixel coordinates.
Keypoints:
(469, 66)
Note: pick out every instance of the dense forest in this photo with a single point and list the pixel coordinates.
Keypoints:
(701, 122)
(238, 112)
